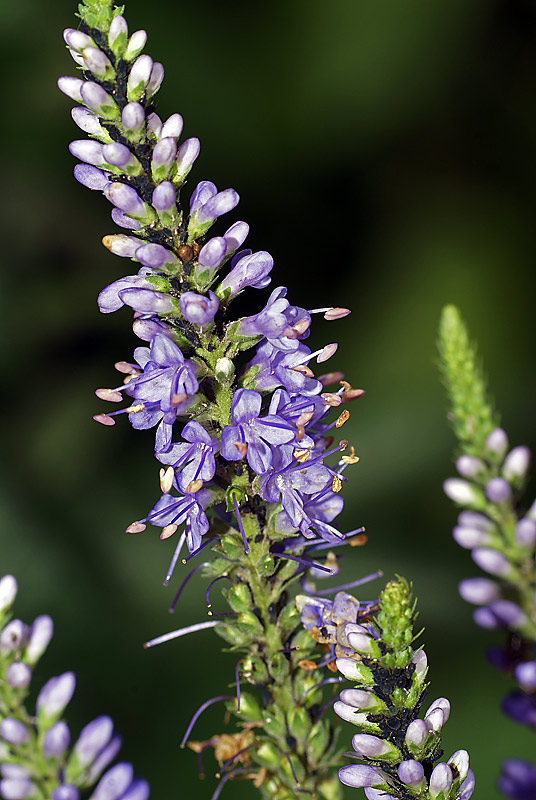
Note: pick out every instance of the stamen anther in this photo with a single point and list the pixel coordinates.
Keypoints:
(136, 527)
(104, 419)
(110, 395)
(166, 479)
(168, 531)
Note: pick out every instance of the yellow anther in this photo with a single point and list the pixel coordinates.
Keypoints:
(331, 399)
(194, 486)
(301, 455)
(336, 484)
(166, 479)
(135, 409)
(168, 531)
(342, 418)
(304, 370)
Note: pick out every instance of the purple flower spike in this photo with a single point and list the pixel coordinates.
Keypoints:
(411, 772)
(115, 783)
(198, 309)
(13, 731)
(360, 775)
(498, 490)
(480, 591)
(518, 780)
(249, 270)
(235, 237)
(252, 435)
(66, 792)
(91, 177)
(56, 740)
(525, 675)
(186, 156)
(55, 695)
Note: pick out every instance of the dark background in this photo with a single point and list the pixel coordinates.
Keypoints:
(385, 155)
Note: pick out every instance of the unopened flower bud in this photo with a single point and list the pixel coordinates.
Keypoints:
(56, 740)
(13, 731)
(470, 537)
(492, 561)
(459, 764)
(411, 772)
(186, 156)
(71, 87)
(508, 613)
(119, 155)
(472, 519)
(77, 40)
(369, 746)
(469, 466)
(164, 197)
(526, 532)
(18, 675)
(212, 254)
(99, 100)
(440, 780)
(8, 592)
(498, 490)
(12, 637)
(91, 177)
(480, 591)
(497, 442)
(164, 153)
(127, 199)
(93, 738)
(485, 618)
(525, 675)
(138, 77)
(115, 783)
(156, 257)
(138, 790)
(441, 703)
(461, 492)
(421, 665)
(349, 713)
(235, 237)
(355, 670)
(88, 122)
(16, 788)
(136, 43)
(198, 309)
(468, 786)
(66, 792)
(39, 638)
(146, 301)
(417, 734)
(87, 150)
(55, 695)
(98, 62)
(117, 35)
(155, 79)
(133, 118)
(121, 245)
(249, 270)
(516, 464)
(364, 644)
(105, 757)
(360, 775)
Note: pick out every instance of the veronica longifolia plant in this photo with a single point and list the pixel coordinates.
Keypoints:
(498, 529)
(246, 434)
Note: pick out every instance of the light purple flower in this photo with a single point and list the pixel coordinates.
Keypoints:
(197, 308)
(253, 434)
(104, 758)
(66, 792)
(18, 675)
(480, 591)
(411, 772)
(280, 323)
(93, 738)
(56, 740)
(13, 731)
(525, 675)
(110, 300)
(491, 561)
(246, 270)
(275, 368)
(193, 459)
(115, 783)
(498, 490)
(16, 788)
(361, 775)
(518, 779)
(39, 638)
(188, 508)
(186, 155)
(13, 636)
(55, 695)
(235, 237)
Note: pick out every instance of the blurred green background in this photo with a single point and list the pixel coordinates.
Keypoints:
(385, 155)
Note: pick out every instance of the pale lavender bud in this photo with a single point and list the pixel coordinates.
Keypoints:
(369, 746)
(485, 618)
(91, 177)
(491, 561)
(470, 537)
(440, 780)
(115, 783)
(154, 125)
(469, 466)
(77, 40)
(198, 309)
(155, 256)
(354, 670)
(13, 731)
(526, 532)
(460, 491)
(224, 369)
(123, 221)
(66, 792)
(16, 788)
(87, 150)
(468, 786)
(13, 636)
(213, 253)
(235, 237)
(516, 463)
(498, 490)
(99, 100)
(525, 675)
(164, 197)
(55, 695)
(18, 675)
(96, 61)
(146, 301)
(497, 442)
(360, 775)
(77, 58)
(358, 698)
(479, 591)
(203, 192)
(8, 592)
(349, 713)
(133, 117)
(417, 733)
(421, 664)
(121, 245)
(119, 155)
(147, 328)
(117, 26)
(93, 738)
(186, 155)
(126, 199)
(156, 78)
(377, 794)
(459, 764)
(139, 75)
(441, 703)
(508, 613)
(163, 154)
(472, 519)
(435, 720)
(14, 771)
(172, 127)
(105, 757)
(247, 271)
(71, 87)
(411, 772)
(87, 121)
(139, 790)
(220, 204)
(56, 740)
(136, 43)
(39, 638)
